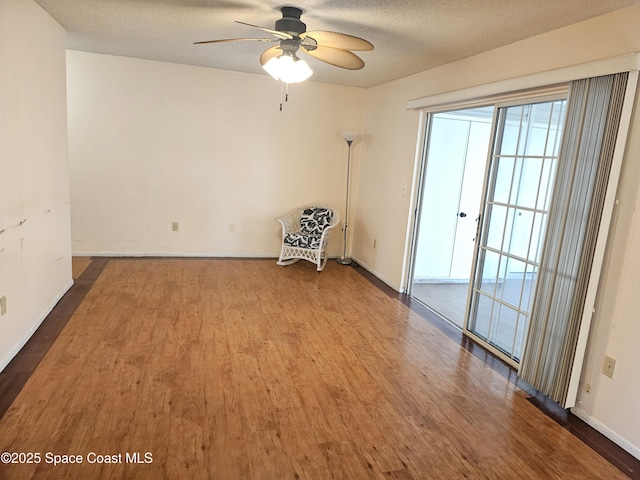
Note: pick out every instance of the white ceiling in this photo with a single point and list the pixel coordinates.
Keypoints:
(409, 35)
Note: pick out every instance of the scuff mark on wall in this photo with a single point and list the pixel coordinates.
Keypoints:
(17, 225)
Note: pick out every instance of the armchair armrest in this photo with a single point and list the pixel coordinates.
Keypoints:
(290, 223)
(324, 239)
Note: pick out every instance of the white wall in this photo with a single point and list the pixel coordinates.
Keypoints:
(387, 163)
(151, 143)
(35, 244)
(613, 404)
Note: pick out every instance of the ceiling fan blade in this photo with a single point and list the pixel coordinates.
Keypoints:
(337, 40)
(280, 35)
(336, 56)
(270, 53)
(238, 40)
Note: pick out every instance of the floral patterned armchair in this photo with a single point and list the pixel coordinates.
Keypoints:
(305, 234)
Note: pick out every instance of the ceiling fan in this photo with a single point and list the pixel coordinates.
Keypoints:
(281, 60)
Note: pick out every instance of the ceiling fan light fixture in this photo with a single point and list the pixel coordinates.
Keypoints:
(288, 68)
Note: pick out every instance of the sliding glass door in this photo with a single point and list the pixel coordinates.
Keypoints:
(520, 180)
(487, 181)
(450, 200)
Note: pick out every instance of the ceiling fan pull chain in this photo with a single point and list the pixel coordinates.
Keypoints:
(284, 92)
(281, 93)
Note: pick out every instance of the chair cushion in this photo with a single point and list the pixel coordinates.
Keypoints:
(302, 240)
(313, 221)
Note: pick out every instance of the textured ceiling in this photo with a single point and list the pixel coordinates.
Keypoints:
(409, 36)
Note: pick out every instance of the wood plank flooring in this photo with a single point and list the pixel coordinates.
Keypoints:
(240, 369)
(17, 373)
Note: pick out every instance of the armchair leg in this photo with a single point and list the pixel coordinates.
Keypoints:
(287, 262)
(322, 261)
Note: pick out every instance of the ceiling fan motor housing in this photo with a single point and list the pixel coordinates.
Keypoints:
(290, 21)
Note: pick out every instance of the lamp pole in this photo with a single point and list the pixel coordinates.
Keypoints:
(349, 137)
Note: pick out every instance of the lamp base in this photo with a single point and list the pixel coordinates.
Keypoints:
(344, 261)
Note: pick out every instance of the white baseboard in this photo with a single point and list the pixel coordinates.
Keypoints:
(372, 271)
(14, 351)
(178, 255)
(607, 432)
(168, 255)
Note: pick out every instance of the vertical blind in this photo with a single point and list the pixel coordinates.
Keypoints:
(593, 116)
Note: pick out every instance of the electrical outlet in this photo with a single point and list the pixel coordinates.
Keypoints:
(174, 226)
(3, 305)
(587, 388)
(232, 227)
(608, 366)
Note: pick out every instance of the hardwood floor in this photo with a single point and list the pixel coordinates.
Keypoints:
(79, 265)
(17, 373)
(503, 327)
(240, 369)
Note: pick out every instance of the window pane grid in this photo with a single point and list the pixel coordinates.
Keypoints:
(519, 207)
(509, 255)
(522, 309)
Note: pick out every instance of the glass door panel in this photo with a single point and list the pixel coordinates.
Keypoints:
(522, 168)
(456, 153)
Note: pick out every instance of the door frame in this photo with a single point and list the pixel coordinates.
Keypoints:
(417, 189)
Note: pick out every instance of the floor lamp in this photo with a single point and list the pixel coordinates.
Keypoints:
(349, 137)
